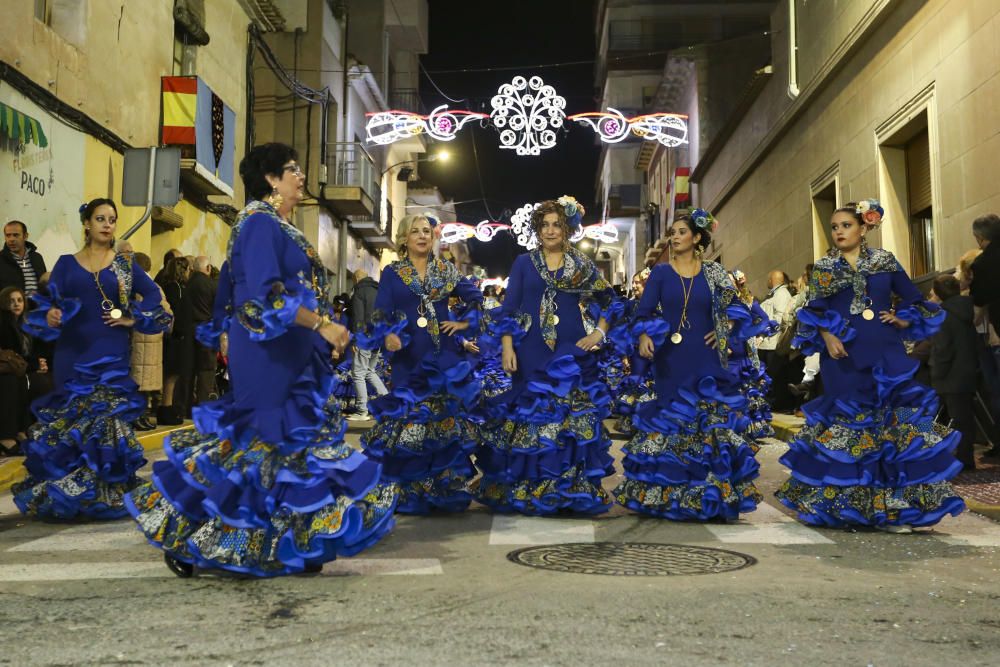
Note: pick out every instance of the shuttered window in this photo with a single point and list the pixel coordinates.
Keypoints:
(918, 172)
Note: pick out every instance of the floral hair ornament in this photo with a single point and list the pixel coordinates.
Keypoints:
(434, 222)
(574, 211)
(739, 277)
(871, 212)
(703, 220)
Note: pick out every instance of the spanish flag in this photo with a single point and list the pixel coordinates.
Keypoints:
(180, 107)
(682, 187)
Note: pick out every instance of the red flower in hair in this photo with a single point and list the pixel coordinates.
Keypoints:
(872, 217)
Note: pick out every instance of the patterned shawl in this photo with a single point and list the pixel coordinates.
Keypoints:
(438, 283)
(833, 273)
(579, 276)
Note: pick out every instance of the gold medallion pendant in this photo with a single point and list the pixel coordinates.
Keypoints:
(115, 313)
(676, 338)
(422, 322)
(868, 314)
(555, 319)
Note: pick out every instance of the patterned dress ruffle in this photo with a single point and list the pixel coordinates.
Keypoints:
(878, 460)
(265, 492)
(425, 433)
(689, 459)
(549, 450)
(82, 454)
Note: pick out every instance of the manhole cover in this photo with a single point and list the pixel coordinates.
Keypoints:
(631, 559)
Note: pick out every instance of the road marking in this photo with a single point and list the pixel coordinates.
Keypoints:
(82, 571)
(387, 566)
(971, 540)
(89, 537)
(768, 533)
(766, 513)
(509, 530)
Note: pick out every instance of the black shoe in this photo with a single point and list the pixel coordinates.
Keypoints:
(142, 424)
(313, 568)
(169, 415)
(803, 390)
(179, 567)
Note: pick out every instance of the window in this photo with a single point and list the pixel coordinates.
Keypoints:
(43, 11)
(824, 203)
(906, 173)
(921, 219)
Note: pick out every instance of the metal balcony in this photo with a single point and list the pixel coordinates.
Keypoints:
(353, 188)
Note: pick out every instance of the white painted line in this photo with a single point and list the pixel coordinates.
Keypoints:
(89, 537)
(377, 566)
(971, 540)
(82, 571)
(509, 530)
(768, 533)
(765, 513)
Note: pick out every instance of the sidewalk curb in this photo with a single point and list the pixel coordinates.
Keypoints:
(12, 469)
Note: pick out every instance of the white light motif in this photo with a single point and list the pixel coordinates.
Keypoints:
(606, 232)
(520, 225)
(454, 232)
(386, 127)
(527, 113)
(669, 129)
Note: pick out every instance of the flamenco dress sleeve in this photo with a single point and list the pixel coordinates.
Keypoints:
(511, 320)
(209, 333)
(148, 312)
(35, 322)
(385, 318)
(647, 320)
(814, 318)
(275, 297)
(925, 318)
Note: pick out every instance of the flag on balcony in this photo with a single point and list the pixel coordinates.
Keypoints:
(682, 187)
(195, 116)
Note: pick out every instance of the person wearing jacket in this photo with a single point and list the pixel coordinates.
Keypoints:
(21, 265)
(364, 361)
(954, 364)
(147, 355)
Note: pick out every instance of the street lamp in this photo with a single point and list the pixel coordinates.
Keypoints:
(404, 173)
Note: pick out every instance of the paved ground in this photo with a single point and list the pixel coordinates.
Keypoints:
(440, 591)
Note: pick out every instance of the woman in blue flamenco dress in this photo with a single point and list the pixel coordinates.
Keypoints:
(82, 455)
(688, 459)
(637, 385)
(745, 363)
(870, 453)
(545, 448)
(425, 427)
(266, 485)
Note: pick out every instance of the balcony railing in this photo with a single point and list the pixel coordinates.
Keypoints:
(354, 190)
(407, 99)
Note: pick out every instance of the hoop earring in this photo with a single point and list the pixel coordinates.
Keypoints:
(275, 199)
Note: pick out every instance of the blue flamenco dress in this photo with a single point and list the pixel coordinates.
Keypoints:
(637, 385)
(754, 380)
(426, 427)
(688, 459)
(870, 452)
(266, 485)
(545, 448)
(82, 455)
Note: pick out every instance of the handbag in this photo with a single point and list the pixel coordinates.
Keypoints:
(12, 363)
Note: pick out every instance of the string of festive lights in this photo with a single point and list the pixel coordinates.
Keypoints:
(527, 113)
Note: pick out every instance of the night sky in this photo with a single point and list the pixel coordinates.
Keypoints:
(515, 34)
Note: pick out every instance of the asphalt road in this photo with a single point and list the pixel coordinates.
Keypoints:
(441, 591)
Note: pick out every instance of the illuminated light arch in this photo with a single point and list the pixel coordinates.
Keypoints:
(669, 129)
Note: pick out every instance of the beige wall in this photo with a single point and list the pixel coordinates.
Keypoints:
(949, 46)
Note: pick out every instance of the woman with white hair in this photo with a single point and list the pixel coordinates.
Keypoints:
(423, 434)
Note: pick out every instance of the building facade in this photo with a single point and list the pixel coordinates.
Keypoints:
(855, 99)
(86, 79)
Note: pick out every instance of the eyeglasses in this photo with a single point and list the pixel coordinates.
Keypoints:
(294, 168)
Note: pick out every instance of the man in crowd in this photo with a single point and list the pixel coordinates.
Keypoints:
(364, 361)
(20, 263)
(201, 290)
(170, 254)
(776, 305)
(985, 292)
